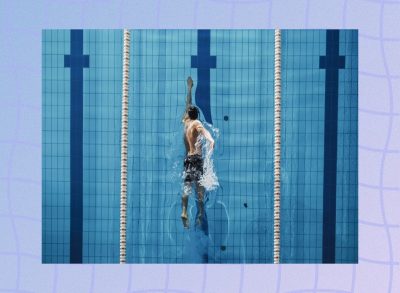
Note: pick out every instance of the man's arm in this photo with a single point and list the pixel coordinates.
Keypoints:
(188, 97)
(200, 128)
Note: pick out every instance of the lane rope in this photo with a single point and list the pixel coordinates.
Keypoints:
(277, 147)
(124, 145)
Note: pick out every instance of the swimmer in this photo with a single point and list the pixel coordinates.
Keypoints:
(193, 164)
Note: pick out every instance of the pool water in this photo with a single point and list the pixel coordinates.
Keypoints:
(233, 72)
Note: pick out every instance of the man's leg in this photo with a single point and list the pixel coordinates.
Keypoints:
(185, 198)
(200, 203)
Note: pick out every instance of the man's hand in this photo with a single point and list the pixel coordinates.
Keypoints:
(189, 82)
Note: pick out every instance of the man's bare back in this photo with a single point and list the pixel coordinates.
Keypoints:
(193, 129)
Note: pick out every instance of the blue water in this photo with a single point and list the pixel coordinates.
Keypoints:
(237, 98)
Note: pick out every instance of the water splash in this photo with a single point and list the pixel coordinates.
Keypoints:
(213, 130)
(209, 179)
(176, 173)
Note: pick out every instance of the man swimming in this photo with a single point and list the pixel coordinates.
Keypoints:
(193, 164)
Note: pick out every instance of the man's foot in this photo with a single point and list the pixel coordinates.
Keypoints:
(185, 221)
(190, 82)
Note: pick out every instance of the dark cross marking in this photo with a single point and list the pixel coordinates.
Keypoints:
(332, 62)
(203, 62)
(76, 61)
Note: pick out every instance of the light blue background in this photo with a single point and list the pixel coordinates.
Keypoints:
(379, 149)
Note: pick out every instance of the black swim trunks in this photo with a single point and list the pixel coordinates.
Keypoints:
(193, 165)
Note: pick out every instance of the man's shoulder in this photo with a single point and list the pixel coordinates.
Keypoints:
(198, 125)
(197, 122)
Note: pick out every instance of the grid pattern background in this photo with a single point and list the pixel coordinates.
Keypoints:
(242, 108)
(303, 111)
(21, 181)
(55, 141)
(240, 211)
(160, 63)
(102, 90)
(302, 166)
(101, 146)
(347, 172)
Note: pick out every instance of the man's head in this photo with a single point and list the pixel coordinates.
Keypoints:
(193, 112)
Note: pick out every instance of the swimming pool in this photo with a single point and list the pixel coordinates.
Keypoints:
(233, 71)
